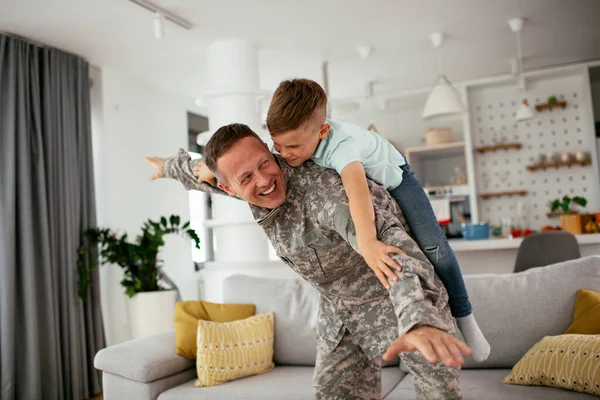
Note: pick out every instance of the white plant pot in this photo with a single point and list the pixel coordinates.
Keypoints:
(149, 313)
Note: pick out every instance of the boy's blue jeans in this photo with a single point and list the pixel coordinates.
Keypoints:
(428, 234)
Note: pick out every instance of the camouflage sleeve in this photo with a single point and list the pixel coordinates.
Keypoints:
(419, 297)
(181, 168)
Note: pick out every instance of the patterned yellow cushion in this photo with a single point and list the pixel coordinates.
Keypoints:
(232, 350)
(564, 361)
(187, 314)
(586, 318)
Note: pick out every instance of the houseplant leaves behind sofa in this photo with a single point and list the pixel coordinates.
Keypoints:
(570, 219)
(138, 259)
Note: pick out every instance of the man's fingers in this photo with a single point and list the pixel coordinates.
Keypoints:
(462, 347)
(154, 176)
(442, 351)
(398, 346)
(454, 351)
(424, 346)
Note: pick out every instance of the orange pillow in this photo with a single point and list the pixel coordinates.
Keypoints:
(187, 314)
(586, 318)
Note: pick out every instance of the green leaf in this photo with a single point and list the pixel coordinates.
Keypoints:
(163, 221)
(580, 201)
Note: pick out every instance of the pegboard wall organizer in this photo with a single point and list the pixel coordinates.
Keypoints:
(504, 146)
(492, 111)
(550, 106)
(511, 193)
(557, 164)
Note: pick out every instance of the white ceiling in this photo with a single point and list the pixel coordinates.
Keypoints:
(119, 34)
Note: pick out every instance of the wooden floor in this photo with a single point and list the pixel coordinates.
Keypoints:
(99, 397)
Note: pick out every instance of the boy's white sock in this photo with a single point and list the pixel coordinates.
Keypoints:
(474, 337)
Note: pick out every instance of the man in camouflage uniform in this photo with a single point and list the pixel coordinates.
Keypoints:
(313, 233)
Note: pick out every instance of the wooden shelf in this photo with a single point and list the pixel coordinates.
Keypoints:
(558, 214)
(557, 164)
(550, 106)
(504, 146)
(436, 148)
(486, 196)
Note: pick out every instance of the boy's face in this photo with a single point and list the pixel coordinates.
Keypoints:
(300, 144)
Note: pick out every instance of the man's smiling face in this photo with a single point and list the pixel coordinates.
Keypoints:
(252, 173)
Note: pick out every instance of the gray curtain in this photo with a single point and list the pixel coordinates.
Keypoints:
(48, 336)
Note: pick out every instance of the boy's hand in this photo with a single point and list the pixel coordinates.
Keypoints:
(434, 344)
(376, 254)
(204, 174)
(156, 162)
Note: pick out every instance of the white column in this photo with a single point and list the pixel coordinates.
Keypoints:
(232, 97)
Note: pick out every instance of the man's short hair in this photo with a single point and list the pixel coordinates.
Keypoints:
(225, 137)
(295, 103)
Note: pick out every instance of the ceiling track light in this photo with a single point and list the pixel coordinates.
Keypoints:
(159, 26)
(165, 15)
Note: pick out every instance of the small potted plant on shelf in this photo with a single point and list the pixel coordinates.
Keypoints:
(151, 304)
(571, 220)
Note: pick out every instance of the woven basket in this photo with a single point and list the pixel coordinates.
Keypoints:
(435, 136)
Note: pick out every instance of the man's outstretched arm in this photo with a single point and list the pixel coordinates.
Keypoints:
(181, 168)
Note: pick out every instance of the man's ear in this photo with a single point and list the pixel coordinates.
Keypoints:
(324, 131)
(226, 189)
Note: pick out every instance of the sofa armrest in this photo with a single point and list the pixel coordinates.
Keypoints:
(143, 360)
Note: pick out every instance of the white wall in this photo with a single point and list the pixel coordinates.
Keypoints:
(400, 122)
(133, 119)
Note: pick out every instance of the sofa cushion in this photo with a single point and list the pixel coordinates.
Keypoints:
(295, 304)
(586, 316)
(283, 382)
(515, 311)
(143, 360)
(233, 350)
(565, 361)
(487, 384)
(187, 314)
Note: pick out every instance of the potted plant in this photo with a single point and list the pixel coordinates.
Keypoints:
(570, 219)
(151, 305)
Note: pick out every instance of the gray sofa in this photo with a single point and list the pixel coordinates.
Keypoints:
(515, 311)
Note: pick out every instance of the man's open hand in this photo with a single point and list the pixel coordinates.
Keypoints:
(157, 163)
(435, 345)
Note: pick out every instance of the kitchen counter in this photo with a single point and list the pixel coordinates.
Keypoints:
(499, 244)
(497, 256)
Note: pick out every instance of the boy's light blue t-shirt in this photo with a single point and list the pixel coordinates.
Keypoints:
(347, 143)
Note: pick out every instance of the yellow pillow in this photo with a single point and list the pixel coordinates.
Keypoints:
(232, 350)
(586, 318)
(564, 361)
(187, 314)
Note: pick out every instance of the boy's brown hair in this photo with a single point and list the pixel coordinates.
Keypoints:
(225, 137)
(295, 103)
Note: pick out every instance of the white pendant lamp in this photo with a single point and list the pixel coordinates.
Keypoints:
(443, 99)
(525, 112)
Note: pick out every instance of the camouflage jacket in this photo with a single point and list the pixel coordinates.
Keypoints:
(313, 233)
